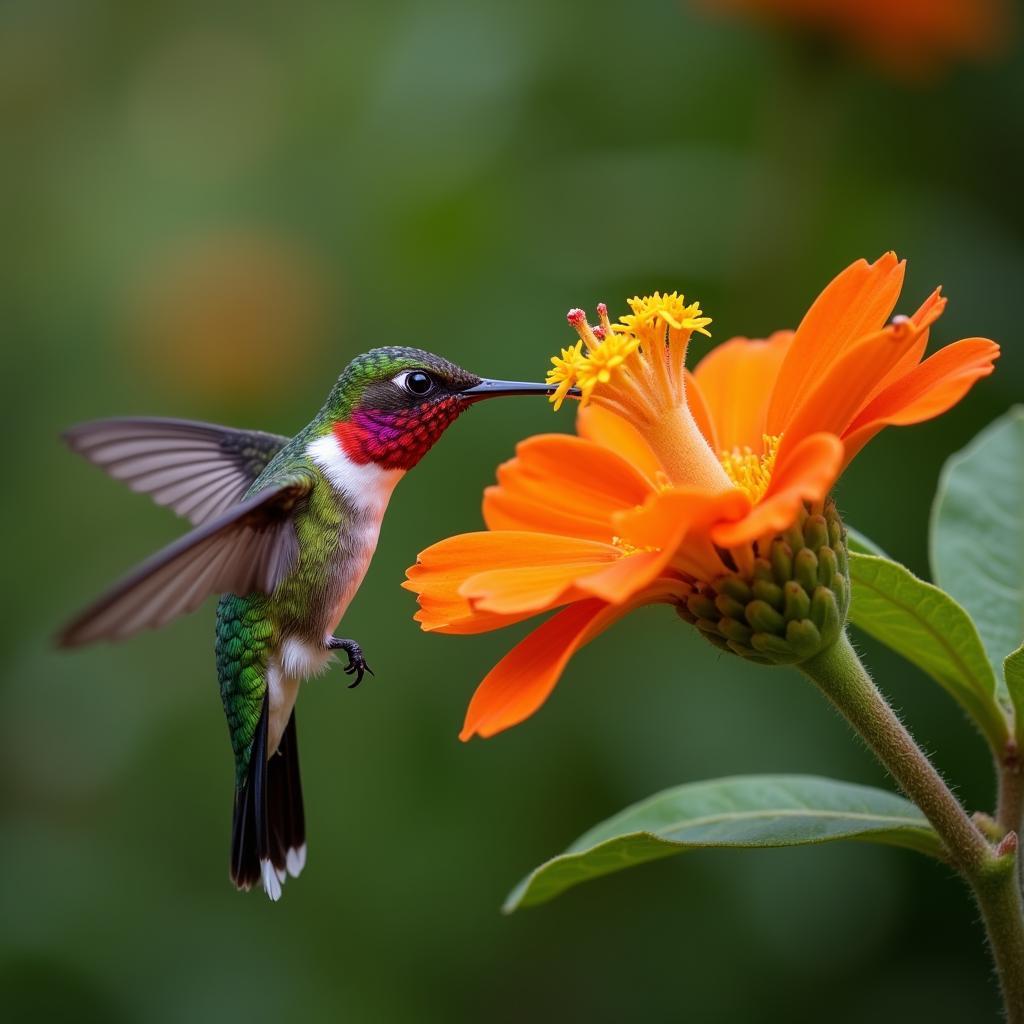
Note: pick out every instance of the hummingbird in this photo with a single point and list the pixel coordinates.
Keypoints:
(284, 530)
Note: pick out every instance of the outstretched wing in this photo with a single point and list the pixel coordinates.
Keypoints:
(249, 548)
(198, 469)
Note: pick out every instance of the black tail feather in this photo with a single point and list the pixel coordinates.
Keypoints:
(268, 840)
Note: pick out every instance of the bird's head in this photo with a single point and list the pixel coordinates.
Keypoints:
(391, 405)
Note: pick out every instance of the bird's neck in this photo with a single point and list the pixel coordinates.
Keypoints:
(364, 486)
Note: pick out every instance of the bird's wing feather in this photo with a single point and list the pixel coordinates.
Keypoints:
(250, 548)
(198, 469)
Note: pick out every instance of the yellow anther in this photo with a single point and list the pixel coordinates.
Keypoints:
(595, 360)
(565, 370)
(671, 308)
(631, 549)
(750, 471)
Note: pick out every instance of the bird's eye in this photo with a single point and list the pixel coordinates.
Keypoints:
(416, 382)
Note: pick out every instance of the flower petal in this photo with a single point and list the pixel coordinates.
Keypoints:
(736, 381)
(836, 398)
(443, 568)
(676, 523)
(457, 617)
(931, 309)
(520, 683)
(857, 302)
(700, 409)
(925, 392)
(565, 485)
(535, 588)
(807, 474)
(613, 432)
(617, 583)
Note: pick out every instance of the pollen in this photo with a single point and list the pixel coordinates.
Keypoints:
(749, 471)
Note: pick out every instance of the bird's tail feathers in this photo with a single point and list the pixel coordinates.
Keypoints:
(268, 840)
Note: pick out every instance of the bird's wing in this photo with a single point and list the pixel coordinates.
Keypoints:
(250, 548)
(198, 469)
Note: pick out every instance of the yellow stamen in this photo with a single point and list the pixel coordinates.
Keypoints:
(566, 369)
(630, 549)
(670, 308)
(642, 353)
(635, 369)
(749, 471)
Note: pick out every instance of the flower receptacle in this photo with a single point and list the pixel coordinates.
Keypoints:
(793, 603)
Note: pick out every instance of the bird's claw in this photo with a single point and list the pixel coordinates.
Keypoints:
(356, 661)
(357, 666)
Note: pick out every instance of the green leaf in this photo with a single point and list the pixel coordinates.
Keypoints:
(977, 538)
(1013, 671)
(927, 627)
(863, 545)
(744, 811)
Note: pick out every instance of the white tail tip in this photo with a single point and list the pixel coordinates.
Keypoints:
(295, 860)
(271, 881)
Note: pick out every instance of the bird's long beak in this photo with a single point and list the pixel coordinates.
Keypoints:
(501, 388)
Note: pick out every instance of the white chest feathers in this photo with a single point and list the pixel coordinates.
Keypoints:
(366, 488)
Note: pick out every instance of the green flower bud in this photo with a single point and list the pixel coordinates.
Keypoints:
(791, 606)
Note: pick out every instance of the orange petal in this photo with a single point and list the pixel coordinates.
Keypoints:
(700, 409)
(442, 569)
(736, 380)
(520, 683)
(537, 587)
(617, 583)
(931, 309)
(925, 392)
(565, 485)
(677, 522)
(857, 302)
(614, 433)
(807, 474)
(457, 617)
(835, 398)
(667, 516)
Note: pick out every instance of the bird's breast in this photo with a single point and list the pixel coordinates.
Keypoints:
(356, 545)
(363, 491)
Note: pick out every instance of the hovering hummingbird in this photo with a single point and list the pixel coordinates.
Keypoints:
(284, 530)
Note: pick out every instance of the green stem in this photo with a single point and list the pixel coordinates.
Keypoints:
(1011, 789)
(998, 895)
(839, 674)
(991, 873)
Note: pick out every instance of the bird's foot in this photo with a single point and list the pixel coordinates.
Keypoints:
(356, 662)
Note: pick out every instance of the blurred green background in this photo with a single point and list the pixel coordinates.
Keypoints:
(210, 209)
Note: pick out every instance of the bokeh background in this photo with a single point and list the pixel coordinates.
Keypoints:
(209, 209)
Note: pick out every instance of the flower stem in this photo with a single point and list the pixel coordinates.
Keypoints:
(839, 674)
(991, 872)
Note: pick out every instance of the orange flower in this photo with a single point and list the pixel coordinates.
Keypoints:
(907, 35)
(676, 479)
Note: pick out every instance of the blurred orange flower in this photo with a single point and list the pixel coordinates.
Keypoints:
(236, 314)
(676, 479)
(909, 35)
